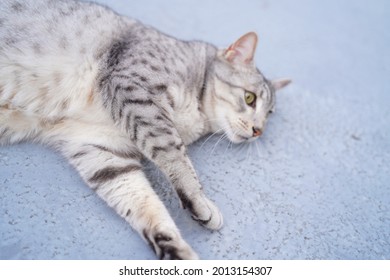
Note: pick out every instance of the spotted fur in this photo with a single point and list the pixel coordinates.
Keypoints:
(107, 91)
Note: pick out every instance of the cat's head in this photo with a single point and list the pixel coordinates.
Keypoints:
(244, 98)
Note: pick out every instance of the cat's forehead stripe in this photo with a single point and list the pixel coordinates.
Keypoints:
(255, 85)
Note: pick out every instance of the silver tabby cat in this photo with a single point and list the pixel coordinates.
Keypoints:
(107, 91)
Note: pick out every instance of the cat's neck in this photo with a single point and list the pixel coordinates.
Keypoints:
(193, 121)
(206, 96)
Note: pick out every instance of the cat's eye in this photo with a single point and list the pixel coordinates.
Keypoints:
(250, 98)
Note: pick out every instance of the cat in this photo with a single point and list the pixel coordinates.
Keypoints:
(107, 91)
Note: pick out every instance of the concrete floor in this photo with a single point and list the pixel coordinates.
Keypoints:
(315, 186)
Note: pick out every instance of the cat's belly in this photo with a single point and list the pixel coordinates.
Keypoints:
(50, 87)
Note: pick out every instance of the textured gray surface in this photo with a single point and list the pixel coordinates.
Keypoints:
(316, 186)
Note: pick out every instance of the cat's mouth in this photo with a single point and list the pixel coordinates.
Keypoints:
(243, 138)
(238, 136)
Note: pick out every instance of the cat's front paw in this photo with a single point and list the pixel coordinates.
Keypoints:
(207, 213)
(203, 210)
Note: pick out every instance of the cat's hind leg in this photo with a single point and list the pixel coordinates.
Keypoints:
(110, 165)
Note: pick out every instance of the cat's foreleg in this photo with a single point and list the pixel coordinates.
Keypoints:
(151, 128)
(111, 166)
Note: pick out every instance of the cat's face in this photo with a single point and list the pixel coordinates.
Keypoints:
(244, 99)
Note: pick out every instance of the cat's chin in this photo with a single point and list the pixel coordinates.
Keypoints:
(238, 139)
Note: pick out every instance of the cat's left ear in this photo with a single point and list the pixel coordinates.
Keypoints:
(280, 83)
(243, 50)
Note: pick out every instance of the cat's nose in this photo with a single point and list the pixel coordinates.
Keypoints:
(256, 132)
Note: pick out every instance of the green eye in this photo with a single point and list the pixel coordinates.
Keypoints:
(250, 98)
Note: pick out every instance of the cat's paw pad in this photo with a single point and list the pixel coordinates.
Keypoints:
(206, 213)
(169, 245)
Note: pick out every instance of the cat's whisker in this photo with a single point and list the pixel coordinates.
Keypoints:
(229, 145)
(240, 148)
(257, 148)
(224, 136)
(209, 137)
(248, 151)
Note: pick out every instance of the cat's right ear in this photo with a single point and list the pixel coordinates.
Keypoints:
(243, 50)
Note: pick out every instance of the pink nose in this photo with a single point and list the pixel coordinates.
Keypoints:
(256, 132)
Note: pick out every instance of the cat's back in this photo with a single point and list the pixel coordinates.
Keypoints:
(57, 26)
(50, 51)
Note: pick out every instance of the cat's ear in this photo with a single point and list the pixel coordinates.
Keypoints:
(280, 83)
(243, 50)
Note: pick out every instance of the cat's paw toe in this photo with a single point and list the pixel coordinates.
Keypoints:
(208, 214)
(169, 245)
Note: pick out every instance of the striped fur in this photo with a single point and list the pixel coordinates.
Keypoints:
(107, 91)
